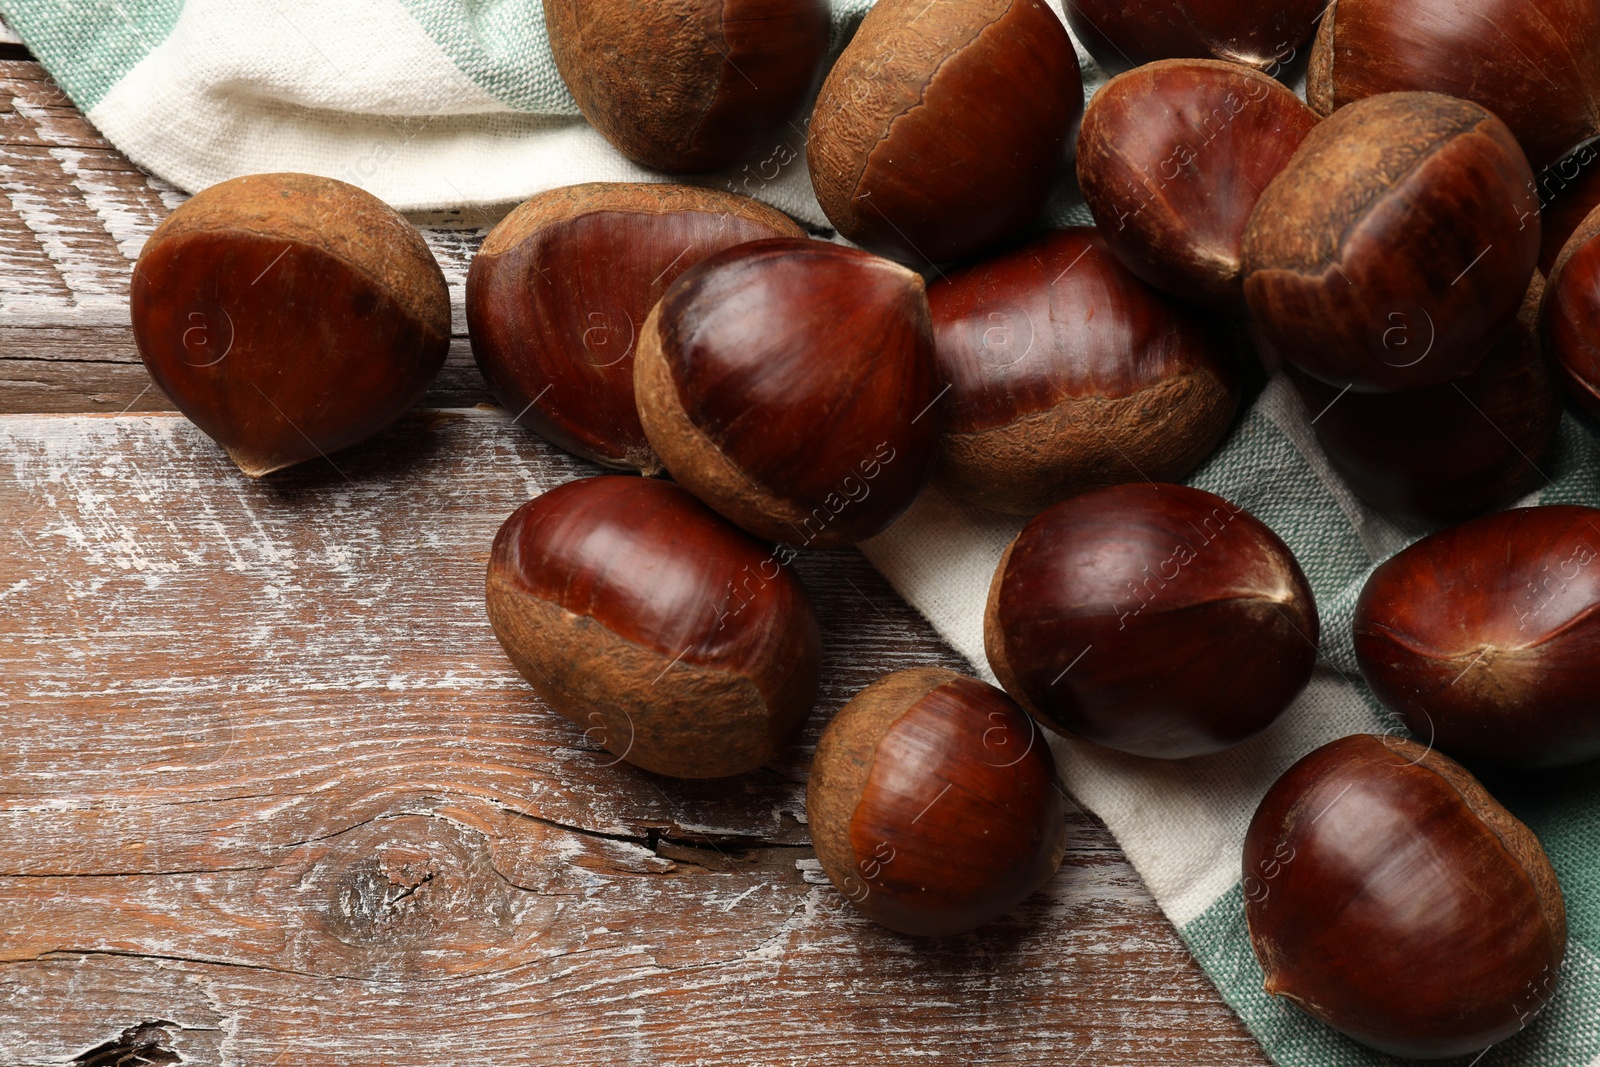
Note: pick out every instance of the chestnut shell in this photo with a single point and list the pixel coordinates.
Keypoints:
(674, 639)
(1570, 318)
(1066, 373)
(561, 287)
(289, 316)
(934, 804)
(1485, 637)
(790, 385)
(1087, 629)
(1389, 895)
(1131, 33)
(942, 127)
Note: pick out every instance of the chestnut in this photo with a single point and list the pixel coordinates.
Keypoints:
(676, 640)
(1445, 452)
(933, 803)
(1568, 192)
(289, 316)
(694, 86)
(1390, 896)
(1123, 34)
(790, 385)
(1570, 318)
(1067, 373)
(1396, 246)
(1172, 159)
(1485, 637)
(1535, 63)
(1160, 620)
(943, 126)
(560, 288)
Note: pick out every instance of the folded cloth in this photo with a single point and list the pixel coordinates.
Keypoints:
(457, 103)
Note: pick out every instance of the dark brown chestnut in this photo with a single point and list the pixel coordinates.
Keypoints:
(1485, 637)
(1172, 159)
(558, 292)
(689, 85)
(790, 385)
(1568, 191)
(1570, 318)
(1445, 452)
(942, 127)
(1160, 620)
(1066, 373)
(1390, 896)
(1534, 63)
(675, 640)
(289, 316)
(934, 804)
(1130, 33)
(1396, 246)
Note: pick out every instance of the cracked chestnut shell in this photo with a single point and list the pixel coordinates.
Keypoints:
(689, 85)
(1485, 638)
(1535, 63)
(942, 127)
(1396, 246)
(1570, 317)
(1131, 33)
(561, 287)
(1066, 373)
(675, 640)
(1445, 452)
(790, 385)
(1159, 620)
(289, 316)
(933, 803)
(1390, 896)
(1172, 159)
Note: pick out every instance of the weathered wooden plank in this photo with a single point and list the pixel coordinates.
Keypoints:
(11, 46)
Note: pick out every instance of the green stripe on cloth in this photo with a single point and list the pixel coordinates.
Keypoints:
(90, 45)
(1566, 1033)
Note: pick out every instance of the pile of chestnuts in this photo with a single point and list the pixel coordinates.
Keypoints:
(1394, 245)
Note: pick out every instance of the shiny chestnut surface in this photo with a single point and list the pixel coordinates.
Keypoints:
(1066, 373)
(1390, 896)
(1569, 191)
(1131, 33)
(1485, 638)
(1396, 246)
(689, 85)
(1172, 159)
(1572, 311)
(289, 316)
(790, 385)
(941, 128)
(677, 641)
(1155, 619)
(934, 804)
(1534, 63)
(558, 293)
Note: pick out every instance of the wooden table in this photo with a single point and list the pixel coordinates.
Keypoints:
(269, 791)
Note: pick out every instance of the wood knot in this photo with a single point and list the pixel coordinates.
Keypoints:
(138, 1045)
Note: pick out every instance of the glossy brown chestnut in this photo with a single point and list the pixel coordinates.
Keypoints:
(1535, 63)
(676, 641)
(1172, 159)
(1485, 638)
(689, 85)
(942, 127)
(1130, 33)
(933, 803)
(1396, 246)
(1066, 373)
(558, 292)
(1393, 898)
(289, 316)
(1570, 318)
(1445, 452)
(790, 385)
(1155, 619)
(1568, 191)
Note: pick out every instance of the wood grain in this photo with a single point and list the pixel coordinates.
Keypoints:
(270, 791)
